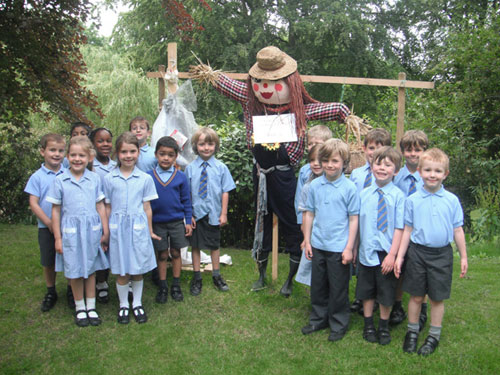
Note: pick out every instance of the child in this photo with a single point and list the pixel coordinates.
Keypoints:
(52, 149)
(433, 218)
(210, 182)
(363, 178)
(77, 129)
(140, 127)
(128, 193)
(330, 226)
(380, 230)
(315, 170)
(412, 144)
(102, 139)
(80, 228)
(172, 215)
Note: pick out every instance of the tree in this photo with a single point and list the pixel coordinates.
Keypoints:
(41, 61)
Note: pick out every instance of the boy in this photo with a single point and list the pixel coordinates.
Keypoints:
(363, 178)
(412, 144)
(52, 148)
(380, 229)
(147, 159)
(171, 216)
(210, 182)
(330, 226)
(433, 218)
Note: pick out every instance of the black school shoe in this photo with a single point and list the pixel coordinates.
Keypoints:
(220, 284)
(94, 321)
(397, 316)
(176, 293)
(357, 305)
(195, 287)
(162, 295)
(82, 322)
(430, 344)
(123, 315)
(384, 337)
(140, 314)
(49, 301)
(370, 334)
(410, 343)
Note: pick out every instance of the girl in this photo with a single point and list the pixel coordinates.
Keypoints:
(77, 129)
(128, 191)
(304, 272)
(102, 139)
(79, 225)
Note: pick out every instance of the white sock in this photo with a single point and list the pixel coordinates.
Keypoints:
(122, 294)
(80, 305)
(90, 306)
(137, 291)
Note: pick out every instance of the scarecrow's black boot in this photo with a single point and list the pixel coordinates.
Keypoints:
(286, 289)
(261, 283)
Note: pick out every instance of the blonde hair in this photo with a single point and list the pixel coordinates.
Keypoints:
(321, 132)
(436, 155)
(378, 136)
(414, 138)
(210, 136)
(314, 153)
(138, 119)
(335, 146)
(51, 137)
(387, 152)
(84, 142)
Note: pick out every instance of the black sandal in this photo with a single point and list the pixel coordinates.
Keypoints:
(94, 321)
(140, 314)
(82, 322)
(123, 315)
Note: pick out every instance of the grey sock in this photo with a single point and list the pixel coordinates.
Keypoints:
(435, 332)
(413, 327)
(216, 272)
(197, 275)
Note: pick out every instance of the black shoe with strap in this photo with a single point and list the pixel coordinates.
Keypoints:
(176, 293)
(162, 295)
(430, 345)
(49, 301)
(220, 284)
(195, 287)
(410, 343)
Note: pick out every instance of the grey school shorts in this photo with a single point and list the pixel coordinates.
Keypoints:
(372, 284)
(46, 242)
(173, 235)
(205, 236)
(429, 271)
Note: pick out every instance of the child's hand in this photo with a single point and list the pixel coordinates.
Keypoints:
(222, 220)
(189, 230)
(308, 250)
(58, 245)
(193, 223)
(388, 264)
(155, 237)
(464, 266)
(105, 242)
(302, 245)
(398, 264)
(347, 256)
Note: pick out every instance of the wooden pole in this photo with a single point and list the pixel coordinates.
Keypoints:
(400, 125)
(161, 86)
(275, 248)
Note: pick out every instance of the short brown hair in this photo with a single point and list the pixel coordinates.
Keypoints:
(413, 138)
(138, 119)
(127, 137)
(335, 146)
(435, 155)
(387, 152)
(314, 153)
(210, 136)
(320, 131)
(51, 137)
(378, 136)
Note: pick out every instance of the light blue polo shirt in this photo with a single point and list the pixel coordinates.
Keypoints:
(371, 238)
(147, 159)
(358, 176)
(403, 181)
(304, 174)
(433, 217)
(219, 181)
(103, 169)
(332, 202)
(39, 184)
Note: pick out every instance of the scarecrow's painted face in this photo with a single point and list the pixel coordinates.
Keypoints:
(271, 92)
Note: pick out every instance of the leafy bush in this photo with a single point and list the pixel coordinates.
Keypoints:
(485, 218)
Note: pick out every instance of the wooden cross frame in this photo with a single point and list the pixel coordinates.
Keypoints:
(401, 83)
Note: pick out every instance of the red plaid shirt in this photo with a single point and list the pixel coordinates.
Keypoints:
(237, 90)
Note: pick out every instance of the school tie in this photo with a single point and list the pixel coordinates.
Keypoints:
(413, 186)
(368, 179)
(382, 212)
(202, 190)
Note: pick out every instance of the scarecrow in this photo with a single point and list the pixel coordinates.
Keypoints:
(273, 89)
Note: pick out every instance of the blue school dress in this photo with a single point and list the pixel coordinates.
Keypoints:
(81, 226)
(130, 245)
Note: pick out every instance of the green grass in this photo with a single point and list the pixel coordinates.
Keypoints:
(239, 332)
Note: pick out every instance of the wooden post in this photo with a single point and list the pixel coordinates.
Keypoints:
(172, 65)
(400, 125)
(275, 248)
(161, 86)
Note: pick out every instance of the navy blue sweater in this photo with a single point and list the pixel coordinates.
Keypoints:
(174, 198)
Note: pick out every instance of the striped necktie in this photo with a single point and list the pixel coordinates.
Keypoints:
(202, 190)
(368, 179)
(382, 212)
(413, 185)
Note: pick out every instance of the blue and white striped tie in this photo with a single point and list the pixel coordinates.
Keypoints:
(413, 185)
(202, 190)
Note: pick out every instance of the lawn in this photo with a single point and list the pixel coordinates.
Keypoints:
(239, 332)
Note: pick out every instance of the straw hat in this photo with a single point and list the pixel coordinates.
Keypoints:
(272, 64)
